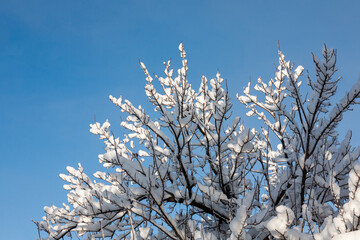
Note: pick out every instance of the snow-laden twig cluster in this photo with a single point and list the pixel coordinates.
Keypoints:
(190, 170)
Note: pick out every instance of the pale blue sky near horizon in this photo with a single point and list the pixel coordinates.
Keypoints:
(60, 60)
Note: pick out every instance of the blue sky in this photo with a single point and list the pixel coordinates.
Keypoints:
(59, 61)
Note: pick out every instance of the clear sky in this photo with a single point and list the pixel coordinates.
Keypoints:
(59, 61)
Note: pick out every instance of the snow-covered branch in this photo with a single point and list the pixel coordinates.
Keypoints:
(188, 168)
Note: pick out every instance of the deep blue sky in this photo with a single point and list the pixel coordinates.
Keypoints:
(59, 61)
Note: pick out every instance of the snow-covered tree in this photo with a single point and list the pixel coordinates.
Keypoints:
(188, 169)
